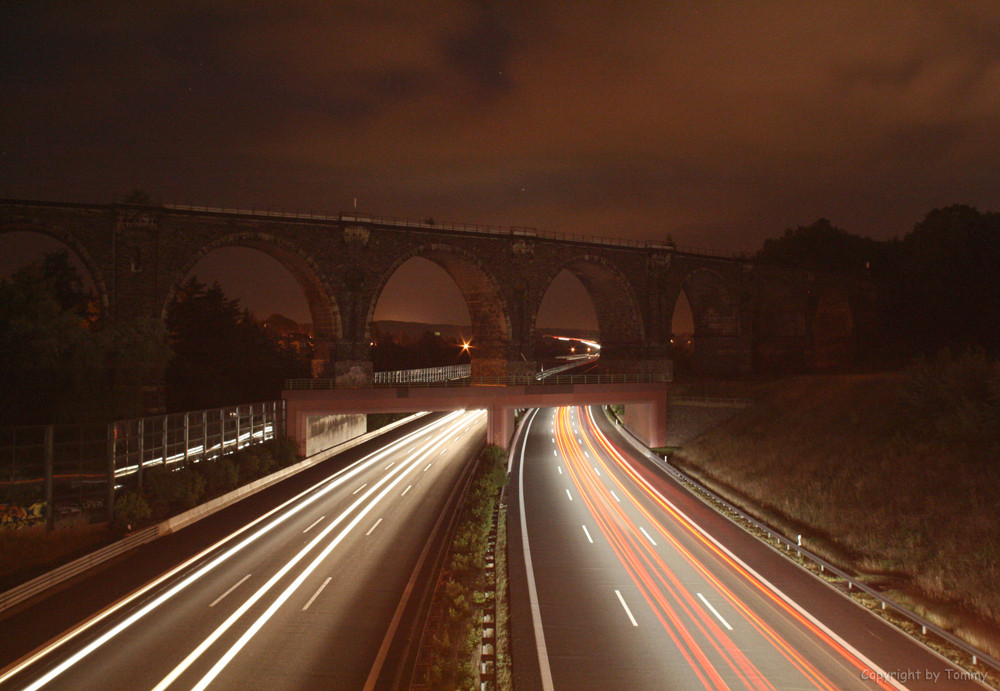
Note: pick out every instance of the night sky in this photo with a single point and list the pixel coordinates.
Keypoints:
(718, 123)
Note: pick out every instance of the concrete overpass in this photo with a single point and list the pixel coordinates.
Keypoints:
(644, 397)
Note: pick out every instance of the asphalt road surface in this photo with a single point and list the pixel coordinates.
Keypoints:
(622, 580)
(305, 594)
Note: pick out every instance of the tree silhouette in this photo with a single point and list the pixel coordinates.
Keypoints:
(222, 355)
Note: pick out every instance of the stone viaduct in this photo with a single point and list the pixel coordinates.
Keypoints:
(746, 317)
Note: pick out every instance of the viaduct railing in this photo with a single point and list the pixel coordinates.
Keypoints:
(477, 228)
(559, 379)
(48, 472)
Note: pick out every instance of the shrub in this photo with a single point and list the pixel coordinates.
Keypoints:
(284, 451)
(131, 509)
(253, 462)
(172, 491)
(220, 475)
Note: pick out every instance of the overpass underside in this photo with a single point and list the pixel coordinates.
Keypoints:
(646, 404)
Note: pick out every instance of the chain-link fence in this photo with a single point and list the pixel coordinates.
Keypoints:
(52, 473)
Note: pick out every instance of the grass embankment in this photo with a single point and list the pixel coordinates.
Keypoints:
(465, 588)
(893, 476)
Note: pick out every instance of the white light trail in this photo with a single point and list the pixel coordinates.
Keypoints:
(318, 490)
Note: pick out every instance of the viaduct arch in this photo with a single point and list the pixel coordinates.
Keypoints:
(746, 316)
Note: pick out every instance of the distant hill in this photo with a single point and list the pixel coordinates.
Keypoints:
(414, 330)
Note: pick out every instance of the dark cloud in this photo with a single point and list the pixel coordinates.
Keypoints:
(720, 123)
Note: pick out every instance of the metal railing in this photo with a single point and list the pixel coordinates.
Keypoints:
(794, 547)
(547, 373)
(427, 374)
(531, 380)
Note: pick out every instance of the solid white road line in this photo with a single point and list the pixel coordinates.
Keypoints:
(627, 610)
(587, 533)
(373, 527)
(647, 536)
(714, 611)
(220, 598)
(313, 524)
(316, 594)
(536, 612)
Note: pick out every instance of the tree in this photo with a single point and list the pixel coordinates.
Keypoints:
(822, 246)
(945, 291)
(223, 356)
(59, 362)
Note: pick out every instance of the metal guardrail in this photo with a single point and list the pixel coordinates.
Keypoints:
(321, 384)
(545, 374)
(976, 655)
(76, 567)
(711, 401)
(427, 374)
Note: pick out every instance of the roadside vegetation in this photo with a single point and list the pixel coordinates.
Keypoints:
(893, 476)
(167, 492)
(465, 587)
(29, 552)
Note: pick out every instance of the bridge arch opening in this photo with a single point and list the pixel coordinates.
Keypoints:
(279, 284)
(714, 322)
(417, 328)
(566, 311)
(22, 244)
(486, 314)
(682, 335)
(616, 308)
(832, 331)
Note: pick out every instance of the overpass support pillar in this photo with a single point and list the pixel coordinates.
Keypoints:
(499, 425)
(648, 422)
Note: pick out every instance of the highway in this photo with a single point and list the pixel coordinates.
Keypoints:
(308, 594)
(621, 579)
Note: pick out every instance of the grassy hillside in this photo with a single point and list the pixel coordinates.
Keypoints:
(894, 476)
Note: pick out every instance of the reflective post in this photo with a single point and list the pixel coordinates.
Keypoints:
(49, 517)
(142, 452)
(112, 436)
